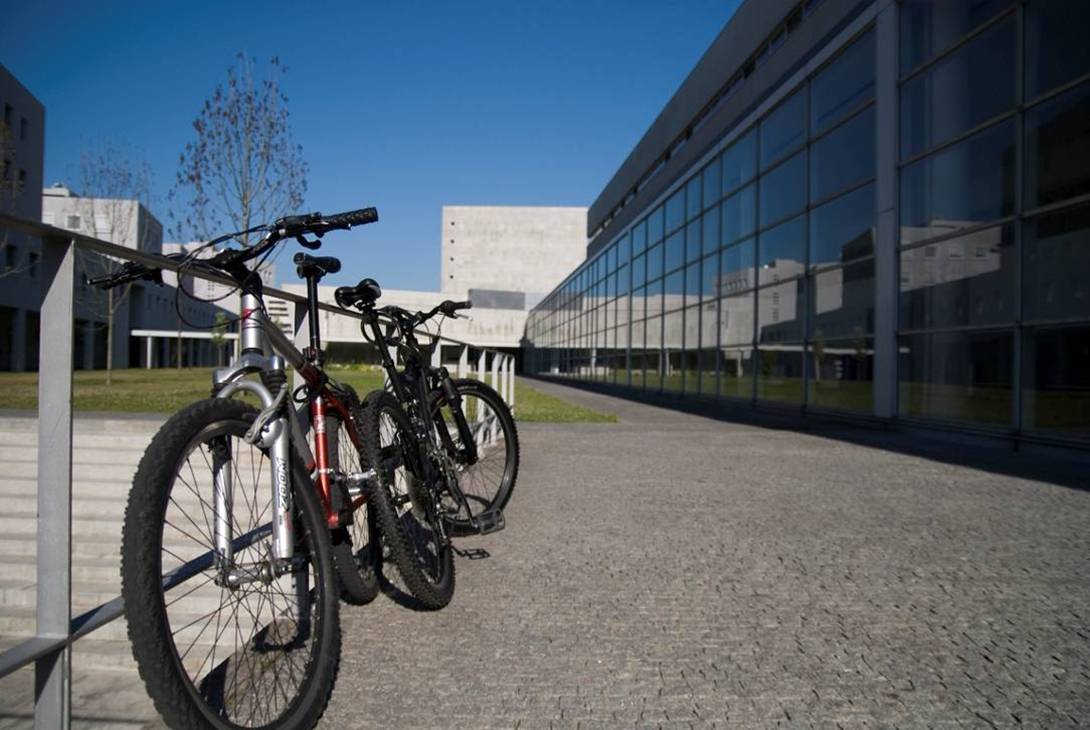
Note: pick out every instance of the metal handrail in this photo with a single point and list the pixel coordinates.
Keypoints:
(56, 630)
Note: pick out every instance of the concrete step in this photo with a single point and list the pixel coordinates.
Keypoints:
(97, 472)
(89, 490)
(114, 454)
(103, 570)
(82, 507)
(92, 425)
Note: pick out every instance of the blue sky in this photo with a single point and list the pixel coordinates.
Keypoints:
(407, 106)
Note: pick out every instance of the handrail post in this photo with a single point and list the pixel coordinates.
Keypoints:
(463, 362)
(52, 672)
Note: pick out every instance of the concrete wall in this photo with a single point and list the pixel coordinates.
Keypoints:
(510, 248)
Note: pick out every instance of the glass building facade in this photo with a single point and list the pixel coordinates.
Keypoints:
(765, 273)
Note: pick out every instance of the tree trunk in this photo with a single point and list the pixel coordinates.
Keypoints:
(109, 337)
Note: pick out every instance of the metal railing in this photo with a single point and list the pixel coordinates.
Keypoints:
(56, 630)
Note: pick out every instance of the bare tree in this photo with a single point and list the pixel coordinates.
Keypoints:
(114, 186)
(243, 168)
(10, 188)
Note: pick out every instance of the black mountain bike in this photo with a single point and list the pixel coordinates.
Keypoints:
(445, 451)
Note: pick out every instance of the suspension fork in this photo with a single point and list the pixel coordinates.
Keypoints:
(454, 399)
(321, 457)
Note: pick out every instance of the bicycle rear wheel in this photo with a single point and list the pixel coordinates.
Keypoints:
(261, 654)
(406, 508)
(487, 483)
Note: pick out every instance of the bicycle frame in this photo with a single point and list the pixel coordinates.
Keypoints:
(265, 350)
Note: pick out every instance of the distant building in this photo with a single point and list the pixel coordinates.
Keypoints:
(22, 143)
(502, 258)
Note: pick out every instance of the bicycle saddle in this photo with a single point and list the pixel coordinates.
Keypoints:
(361, 295)
(308, 266)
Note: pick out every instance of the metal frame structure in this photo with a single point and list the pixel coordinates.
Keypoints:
(49, 650)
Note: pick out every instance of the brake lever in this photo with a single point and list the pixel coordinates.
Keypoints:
(307, 243)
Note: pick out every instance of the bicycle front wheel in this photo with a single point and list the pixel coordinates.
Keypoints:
(261, 652)
(488, 482)
(356, 552)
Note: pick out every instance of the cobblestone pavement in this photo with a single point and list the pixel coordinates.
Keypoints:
(672, 570)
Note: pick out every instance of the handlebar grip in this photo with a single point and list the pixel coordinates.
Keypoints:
(448, 307)
(292, 222)
(353, 218)
(463, 305)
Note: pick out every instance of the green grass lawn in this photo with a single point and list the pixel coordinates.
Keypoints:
(167, 390)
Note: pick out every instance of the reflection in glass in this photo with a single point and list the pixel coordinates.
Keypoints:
(736, 372)
(843, 157)
(779, 313)
(739, 214)
(621, 282)
(1057, 147)
(710, 235)
(1056, 266)
(713, 183)
(654, 261)
(783, 190)
(959, 92)
(675, 251)
(693, 201)
(639, 237)
(968, 183)
(675, 210)
(841, 374)
(653, 332)
(928, 27)
(639, 270)
(843, 85)
(969, 280)
(1056, 47)
(1056, 373)
(784, 130)
(673, 342)
(957, 376)
(692, 240)
(740, 161)
(782, 251)
(674, 296)
(736, 319)
(655, 226)
(842, 301)
(737, 267)
(709, 276)
(779, 374)
(692, 283)
(843, 229)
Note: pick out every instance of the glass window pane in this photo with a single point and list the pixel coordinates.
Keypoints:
(710, 276)
(736, 372)
(639, 270)
(969, 280)
(1057, 148)
(654, 226)
(842, 86)
(1056, 371)
(842, 302)
(622, 282)
(739, 214)
(654, 262)
(930, 26)
(843, 157)
(712, 183)
(779, 374)
(957, 376)
(843, 229)
(639, 237)
(1056, 47)
(1056, 267)
(971, 182)
(841, 374)
(639, 304)
(675, 251)
(784, 130)
(961, 91)
(654, 334)
(779, 313)
(674, 295)
(675, 211)
(740, 161)
(692, 240)
(654, 298)
(783, 190)
(737, 272)
(693, 200)
(710, 235)
(782, 251)
(736, 319)
(692, 283)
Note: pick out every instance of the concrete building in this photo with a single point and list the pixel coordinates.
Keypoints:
(22, 144)
(861, 208)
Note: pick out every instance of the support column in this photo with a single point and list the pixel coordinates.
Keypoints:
(18, 341)
(148, 365)
(463, 362)
(496, 372)
(52, 672)
(301, 336)
(482, 359)
(886, 233)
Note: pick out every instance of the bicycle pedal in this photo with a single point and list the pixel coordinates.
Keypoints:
(490, 521)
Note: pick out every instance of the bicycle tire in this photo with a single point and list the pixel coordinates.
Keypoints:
(485, 488)
(417, 546)
(356, 555)
(216, 699)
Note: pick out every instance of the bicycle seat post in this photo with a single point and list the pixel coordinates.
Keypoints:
(312, 314)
